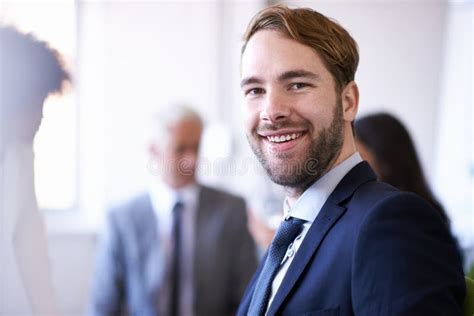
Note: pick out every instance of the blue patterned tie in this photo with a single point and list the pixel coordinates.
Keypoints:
(286, 234)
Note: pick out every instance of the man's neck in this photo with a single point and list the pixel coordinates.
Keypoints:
(294, 193)
(175, 186)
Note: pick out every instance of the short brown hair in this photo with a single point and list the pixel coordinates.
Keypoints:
(329, 39)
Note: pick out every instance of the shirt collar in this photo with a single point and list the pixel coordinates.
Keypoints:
(164, 197)
(309, 204)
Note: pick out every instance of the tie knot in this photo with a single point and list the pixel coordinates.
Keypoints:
(178, 206)
(288, 231)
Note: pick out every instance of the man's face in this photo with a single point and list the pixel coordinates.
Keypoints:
(178, 153)
(294, 119)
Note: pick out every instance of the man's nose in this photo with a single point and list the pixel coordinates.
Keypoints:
(191, 156)
(276, 107)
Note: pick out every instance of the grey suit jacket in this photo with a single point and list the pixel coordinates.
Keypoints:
(129, 258)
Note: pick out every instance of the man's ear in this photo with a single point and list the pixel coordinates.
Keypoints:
(350, 101)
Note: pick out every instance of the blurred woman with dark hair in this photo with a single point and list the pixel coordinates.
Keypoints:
(30, 71)
(385, 143)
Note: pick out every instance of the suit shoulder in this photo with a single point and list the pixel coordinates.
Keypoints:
(127, 210)
(222, 196)
(374, 193)
(400, 237)
(381, 200)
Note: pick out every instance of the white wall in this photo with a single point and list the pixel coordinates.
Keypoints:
(454, 176)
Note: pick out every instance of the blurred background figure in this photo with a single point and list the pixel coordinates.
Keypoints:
(30, 71)
(264, 215)
(385, 143)
(262, 232)
(181, 248)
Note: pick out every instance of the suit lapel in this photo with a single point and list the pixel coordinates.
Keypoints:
(326, 219)
(146, 226)
(150, 252)
(328, 216)
(201, 244)
(245, 302)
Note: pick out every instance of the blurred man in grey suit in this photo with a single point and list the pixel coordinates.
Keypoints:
(180, 249)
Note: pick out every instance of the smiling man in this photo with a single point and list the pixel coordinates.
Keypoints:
(349, 245)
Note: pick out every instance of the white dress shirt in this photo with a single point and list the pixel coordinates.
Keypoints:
(307, 207)
(163, 200)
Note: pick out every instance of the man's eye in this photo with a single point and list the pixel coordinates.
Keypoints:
(254, 91)
(298, 86)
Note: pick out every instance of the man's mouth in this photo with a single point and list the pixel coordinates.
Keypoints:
(283, 140)
(283, 137)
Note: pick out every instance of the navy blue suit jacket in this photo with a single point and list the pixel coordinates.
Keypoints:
(372, 250)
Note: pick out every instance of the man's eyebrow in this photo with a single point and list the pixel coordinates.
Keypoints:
(249, 80)
(298, 74)
(291, 74)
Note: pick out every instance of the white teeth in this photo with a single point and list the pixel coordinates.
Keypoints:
(283, 138)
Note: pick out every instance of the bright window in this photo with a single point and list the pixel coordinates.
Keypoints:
(55, 143)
